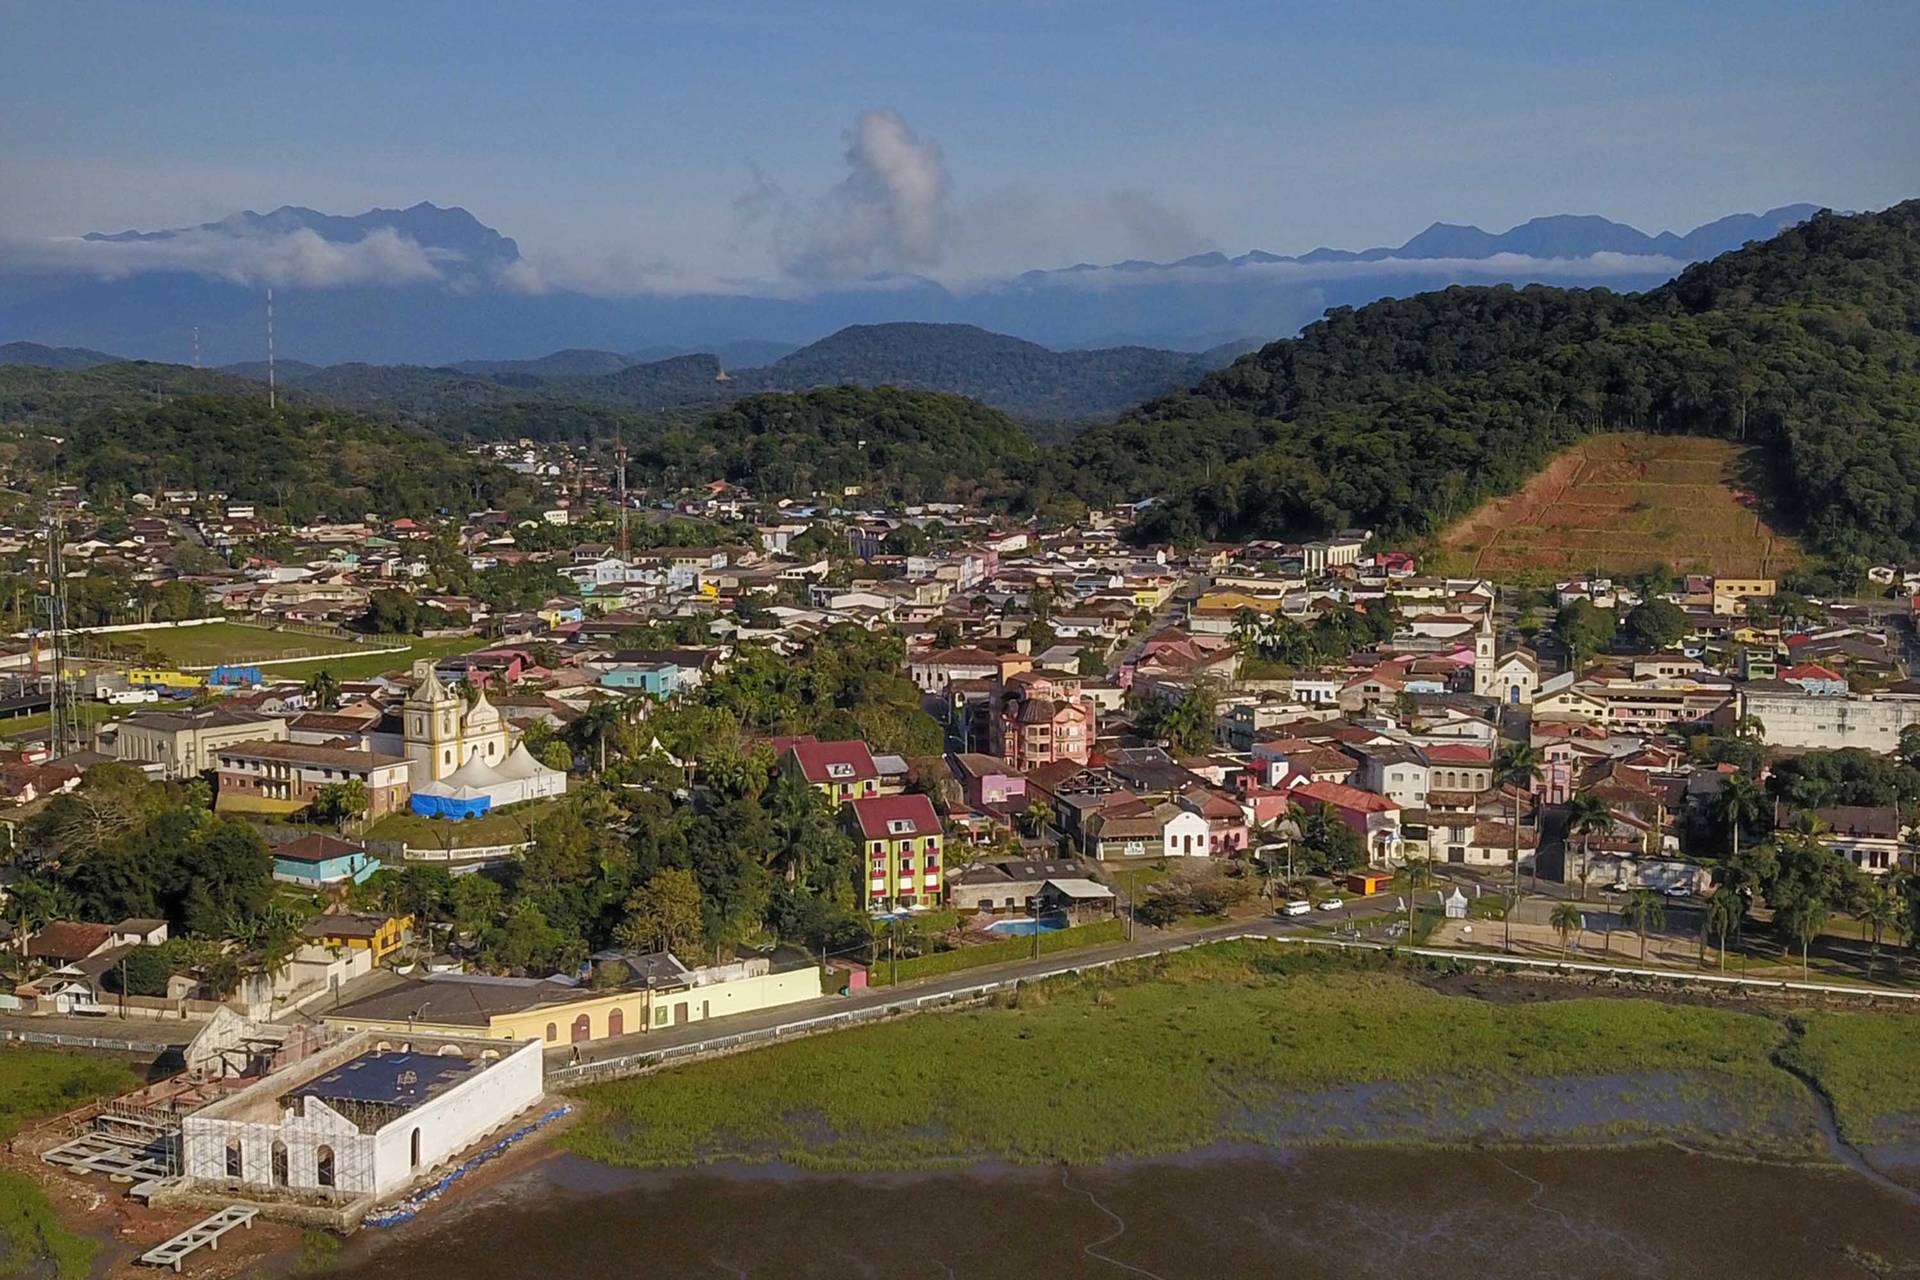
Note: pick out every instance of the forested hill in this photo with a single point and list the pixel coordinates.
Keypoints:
(885, 443)
(1025, 379)
(307, 462)
(1403, 414)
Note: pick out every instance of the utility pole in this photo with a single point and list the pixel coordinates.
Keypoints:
(63, 734)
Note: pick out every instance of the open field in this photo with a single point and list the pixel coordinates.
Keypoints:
(1233, 1041)
(218, 642)
(365, 666)
(1623, 502)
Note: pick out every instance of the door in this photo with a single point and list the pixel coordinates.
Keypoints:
(679, 1013)
(582, 1028)
(616, 1022)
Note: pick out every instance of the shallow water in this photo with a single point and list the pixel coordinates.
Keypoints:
(1229, 1212)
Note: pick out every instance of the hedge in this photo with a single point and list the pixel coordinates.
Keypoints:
(1016, 948)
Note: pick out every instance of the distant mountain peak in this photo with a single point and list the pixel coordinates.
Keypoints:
(450, 229)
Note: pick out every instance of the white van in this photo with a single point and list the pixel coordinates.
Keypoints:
(1298, 907)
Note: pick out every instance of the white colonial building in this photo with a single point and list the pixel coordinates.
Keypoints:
(365, 1117)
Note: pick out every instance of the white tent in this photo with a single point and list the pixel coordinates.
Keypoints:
(477, 786)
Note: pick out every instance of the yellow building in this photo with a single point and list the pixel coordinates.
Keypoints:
(657, 992)
(361, 931)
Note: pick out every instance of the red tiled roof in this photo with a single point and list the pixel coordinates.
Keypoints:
(1343, 796)
(1458, 753)
(69, 940)
(877, 814)
(816, 758)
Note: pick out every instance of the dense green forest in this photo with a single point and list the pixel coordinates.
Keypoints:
(306, 461)
(1027, 380)
(1403, 414)
(892, 444)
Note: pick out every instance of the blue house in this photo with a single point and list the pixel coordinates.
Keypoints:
(319, 860)
(659, 679)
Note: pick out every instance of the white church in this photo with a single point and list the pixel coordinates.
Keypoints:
(464, 758)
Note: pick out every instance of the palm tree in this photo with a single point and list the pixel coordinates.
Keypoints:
(1738, 805)
(1725, 910)
(1587, 816)
(598, 724)
(1518, 763)
(1418, 873)
(324, 689)
(1566, 921)
(1804, 919)
(1642, 911)
(1878, 911)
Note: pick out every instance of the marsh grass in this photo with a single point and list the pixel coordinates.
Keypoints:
(1864, 1063)
(44, 1082)
(32, 1240)
(1148, 1057)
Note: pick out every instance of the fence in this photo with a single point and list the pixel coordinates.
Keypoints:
(645, 1060)
(1008, 949)
(107, 1043)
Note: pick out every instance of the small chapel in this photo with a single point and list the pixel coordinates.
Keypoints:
(441, 732)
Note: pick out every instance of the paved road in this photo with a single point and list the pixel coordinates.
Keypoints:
(1361, 912)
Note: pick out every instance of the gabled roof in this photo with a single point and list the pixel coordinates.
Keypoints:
(1342, 796)
(818, 760)
(316, 847)
(876, 816)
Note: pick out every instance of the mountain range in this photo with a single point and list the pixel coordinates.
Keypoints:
(435, 286)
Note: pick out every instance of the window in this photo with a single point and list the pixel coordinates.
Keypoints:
(900, 826)
(236, 1159)
(553, 1033)
(839, 769)
(323, 1166)
(279, 1163)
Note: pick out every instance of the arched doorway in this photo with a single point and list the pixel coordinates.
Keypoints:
(616, 1022)
(323, 1166)
(582, 1028)
(279, 1163)
(236, 1160)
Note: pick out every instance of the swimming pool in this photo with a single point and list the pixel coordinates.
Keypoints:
(1025, 927)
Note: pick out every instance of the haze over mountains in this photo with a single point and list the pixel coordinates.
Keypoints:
(431, 285)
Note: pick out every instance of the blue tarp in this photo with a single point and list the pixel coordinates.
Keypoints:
(450, 806)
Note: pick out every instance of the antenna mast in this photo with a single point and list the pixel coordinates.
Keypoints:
(63, 729)
(620, 480)
(196, 346)
(273, 401)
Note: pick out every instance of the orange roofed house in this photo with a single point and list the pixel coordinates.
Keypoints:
(1375, 817)
(900, 839)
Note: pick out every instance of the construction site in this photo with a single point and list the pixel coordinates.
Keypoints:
(296, 1124)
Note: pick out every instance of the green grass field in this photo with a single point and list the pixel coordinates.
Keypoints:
(365, 666)
(35, 1083)
(508, 826)
(217, 642)
(1149, 1057)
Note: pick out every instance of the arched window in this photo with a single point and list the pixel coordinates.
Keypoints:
(323, 1166)
(236, 1159)
(553, 1033)
(279, 1163)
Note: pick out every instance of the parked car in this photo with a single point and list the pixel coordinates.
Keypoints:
(1298, 907)
(1678, 891)
(1331, 904)
(1618, 886)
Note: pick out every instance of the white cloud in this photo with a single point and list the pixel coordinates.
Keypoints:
(890, 213)
(300, 258)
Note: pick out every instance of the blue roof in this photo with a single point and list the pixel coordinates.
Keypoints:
(397, 1078)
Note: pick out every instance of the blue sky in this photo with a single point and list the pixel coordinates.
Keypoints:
(709, 139)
